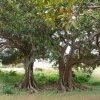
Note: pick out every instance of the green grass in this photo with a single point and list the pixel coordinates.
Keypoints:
(94, 81)
(9, 79)
(7, 82)
(93, 90)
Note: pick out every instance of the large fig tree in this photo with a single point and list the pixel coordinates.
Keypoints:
(22, 35)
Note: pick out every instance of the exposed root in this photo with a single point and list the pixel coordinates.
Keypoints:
(65, 87)
(79, 85)
(28, 86)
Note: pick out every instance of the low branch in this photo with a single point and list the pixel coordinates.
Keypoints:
(93, 7)
(89, 61)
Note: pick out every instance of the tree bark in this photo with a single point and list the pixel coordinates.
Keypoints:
(66, 81)
(65, 76)
(28, 81)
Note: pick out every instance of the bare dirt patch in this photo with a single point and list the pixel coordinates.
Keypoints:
(61, 96)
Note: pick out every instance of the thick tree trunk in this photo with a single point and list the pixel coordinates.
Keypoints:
(65, 76)
(66, 81)
(61, 73)
(28, 81)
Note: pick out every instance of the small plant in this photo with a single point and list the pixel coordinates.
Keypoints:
(7, 90)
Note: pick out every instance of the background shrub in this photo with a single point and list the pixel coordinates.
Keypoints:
(7, 89)
(46, 78)
(82, 77)
(12, 73)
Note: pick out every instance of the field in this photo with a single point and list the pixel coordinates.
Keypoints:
(48, 95)
(56, 97)
(9, 92)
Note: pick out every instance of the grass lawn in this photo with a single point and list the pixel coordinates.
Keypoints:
(86, 95)
(9, 92)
